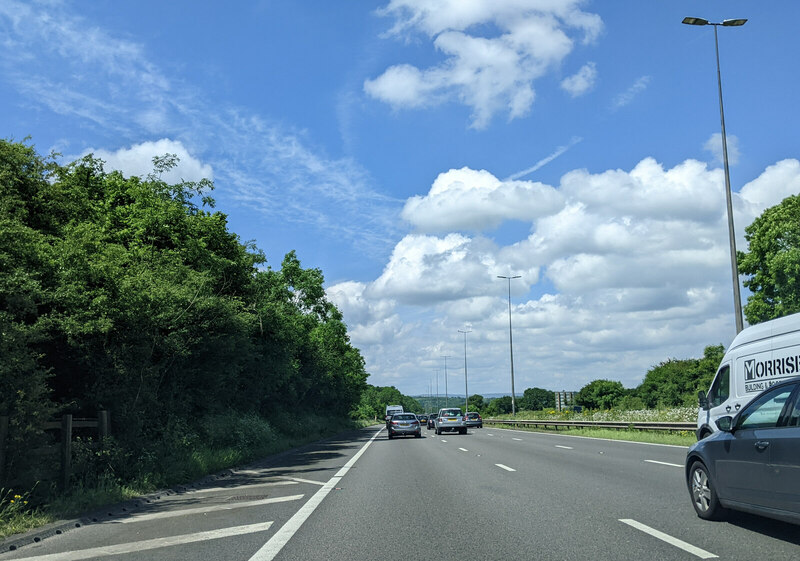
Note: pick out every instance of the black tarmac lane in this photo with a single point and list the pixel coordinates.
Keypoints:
(490, 494)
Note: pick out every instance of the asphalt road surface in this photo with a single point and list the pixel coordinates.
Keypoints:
(490, 494)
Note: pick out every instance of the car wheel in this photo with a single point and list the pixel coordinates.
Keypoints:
(462, 431)
(704, 434)
(704, 495)
(391, 436)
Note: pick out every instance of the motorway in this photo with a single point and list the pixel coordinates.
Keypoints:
(490, 494)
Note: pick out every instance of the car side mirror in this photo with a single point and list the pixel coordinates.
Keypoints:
(725, 423)
(701, 398)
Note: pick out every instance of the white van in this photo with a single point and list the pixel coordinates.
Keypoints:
(391, 410)
(759, 357)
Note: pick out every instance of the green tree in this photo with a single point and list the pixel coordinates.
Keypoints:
(498, 406)
(537, 399)
(476, 402)
(772, 263)
(132, 295)
(600, 394)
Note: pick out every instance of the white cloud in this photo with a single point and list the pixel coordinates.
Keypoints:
(138, 160)
(630, 94)
(467, 199)
(582, 81)
(487, 72)
(714, 147)
(629, 269)
(60, 61)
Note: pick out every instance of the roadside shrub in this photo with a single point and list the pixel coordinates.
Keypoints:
(244, 432)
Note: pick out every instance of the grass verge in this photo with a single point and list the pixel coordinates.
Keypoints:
(17, 516)
(683, 438)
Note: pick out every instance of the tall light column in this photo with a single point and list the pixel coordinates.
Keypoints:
(466, 387)
(438, 406)
(511, 344)
(446, 395)
(737, 300)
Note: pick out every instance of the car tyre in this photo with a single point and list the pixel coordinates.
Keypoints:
(704, 493)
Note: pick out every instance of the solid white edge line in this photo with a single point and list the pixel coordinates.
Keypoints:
(689, 548)
(663, 463)
(501, 466)
(144, 545)
(274, 545)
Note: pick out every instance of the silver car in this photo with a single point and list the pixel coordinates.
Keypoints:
(450, 419)
(402, 424)
(753, 462)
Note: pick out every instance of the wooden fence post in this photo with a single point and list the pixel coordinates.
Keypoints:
(102, 424)
(66, 450)
(3, 435)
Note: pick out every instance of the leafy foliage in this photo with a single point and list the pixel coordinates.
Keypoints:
(600, 394)
(132, 295)
(374, 400)
(537, 399)
(773, 262)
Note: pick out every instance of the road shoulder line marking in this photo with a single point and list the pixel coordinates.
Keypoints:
(144, 545)
(204, 509)
(689, 548)
(274, 545)
(301, 480)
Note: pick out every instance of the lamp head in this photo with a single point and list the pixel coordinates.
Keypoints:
(694, 21)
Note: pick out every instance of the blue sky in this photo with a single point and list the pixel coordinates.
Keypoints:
(416, 149)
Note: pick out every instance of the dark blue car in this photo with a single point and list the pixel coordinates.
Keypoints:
(753, 463)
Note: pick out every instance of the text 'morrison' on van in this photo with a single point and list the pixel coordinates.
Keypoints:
(759, 356)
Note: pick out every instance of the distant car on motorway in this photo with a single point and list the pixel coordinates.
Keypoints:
(423, 419)
(450, 419)
(402, 424)
(753, 462)
(432, 421)
(473, 419)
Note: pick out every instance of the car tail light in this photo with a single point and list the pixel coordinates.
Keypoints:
(395, 423)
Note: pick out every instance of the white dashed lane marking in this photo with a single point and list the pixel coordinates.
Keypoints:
(564, 447)
(694, 550)
(463, 449)
(501, 466)
(663, 463)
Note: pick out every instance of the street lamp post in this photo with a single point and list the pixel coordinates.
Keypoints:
(446, 395)
(437, 391)
(466, 387)
(511, 344)
(737, 301)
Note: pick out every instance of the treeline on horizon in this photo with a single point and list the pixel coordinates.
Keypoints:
(672, 383)
(131, 295)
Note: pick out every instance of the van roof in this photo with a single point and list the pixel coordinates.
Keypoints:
(767, 329)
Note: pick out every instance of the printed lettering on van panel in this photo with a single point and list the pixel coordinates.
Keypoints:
(761, 373)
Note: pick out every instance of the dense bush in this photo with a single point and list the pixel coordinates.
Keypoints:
(131, 295)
